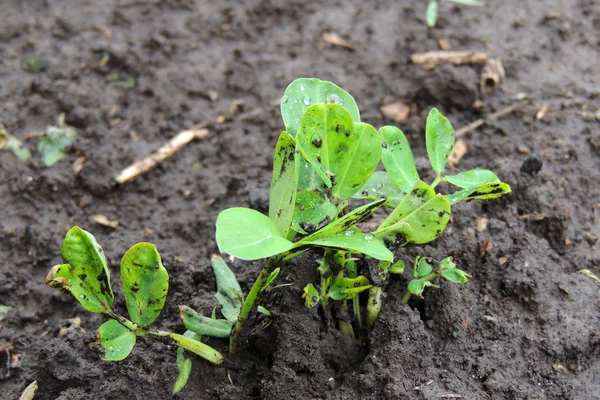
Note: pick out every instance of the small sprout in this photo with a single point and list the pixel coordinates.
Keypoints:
(4, 311)
(270, 279)
(33, 64)
(397, 267)
(53, 144)
(12, 143)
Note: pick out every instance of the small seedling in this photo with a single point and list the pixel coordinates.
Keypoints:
(431, 15)
(85, 275)
(54, 142)
(325, 161)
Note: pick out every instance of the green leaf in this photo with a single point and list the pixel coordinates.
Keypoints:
(283, 183)
(196, 347)
(342, 224)
(397, 267)
(12, 143)
(264, 311)
(311, 296)
(416, 286)
(304, 92)
(472, 178)
(313, 210)
(204, 326)
(455, 275)
(348, 288)
(145, 283)
(447, 263)
(355, 241)
(4, 311)
(55, 141)
(431, 13)
(398, 159)
(420, 218)
(272, 276)
(249, 235)
(475, 3)
(439, 138)
(184, 365)
(422, 267)
(229, 293)
(308, 178)
(117, 340)
(380, 185)
(343, 154)
(86, 275)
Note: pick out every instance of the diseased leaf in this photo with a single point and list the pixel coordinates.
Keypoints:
(313, 210)
(455, 275)
(472, 178)
(283, 183)
(145, 283)
(431, 13)
(55, 141)
(204, 326)
(86, 275)
(342, 154)
(342, 224)
(355, 241)
(420, 218)
(308, 178)
(311, 296)
(304, 92)
(416, 286)
(249, 235)
(229, 293)
(379, 186)
(117, 340)
(398, 159)
(439, 138)
(348, 288)
(489, 191)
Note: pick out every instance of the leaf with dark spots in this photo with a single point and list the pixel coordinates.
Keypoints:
(144, 285)
(283, 183)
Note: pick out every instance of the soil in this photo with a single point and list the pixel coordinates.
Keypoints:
(131, 74)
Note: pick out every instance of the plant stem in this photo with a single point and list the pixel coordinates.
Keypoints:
(345, 324)
(248, 304)
(373, 306)
(406, 297)
(203, 350)
(122, 320)
(438, 179)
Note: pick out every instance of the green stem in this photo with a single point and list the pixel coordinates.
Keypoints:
(373, 306)
(345, 324)
(406, 297)
(203, 350)
(438, 179)
(122, 320)
(248, 304)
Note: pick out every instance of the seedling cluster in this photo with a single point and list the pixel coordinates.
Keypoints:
(325, 184)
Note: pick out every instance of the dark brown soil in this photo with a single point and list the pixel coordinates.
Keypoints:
(527, 326)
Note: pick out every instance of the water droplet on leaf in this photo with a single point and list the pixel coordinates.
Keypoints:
(335, 99)
(306, 100)
(369, 237)
(349, 232)
(302, 88)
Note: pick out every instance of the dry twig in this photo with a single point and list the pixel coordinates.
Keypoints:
(477, 123)
(432, 59)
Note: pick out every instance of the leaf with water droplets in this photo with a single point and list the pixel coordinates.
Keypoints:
(85, 274)
(117, 340)
(283, 183)
(359, 242)
(397, 158)
(304, 92)
(145, 283)
(249, 235)
(439, 138)
(313, 210)
(379, 186)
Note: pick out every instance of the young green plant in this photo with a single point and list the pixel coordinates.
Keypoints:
(85, 275)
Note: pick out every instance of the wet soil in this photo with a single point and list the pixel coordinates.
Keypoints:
(131, 74)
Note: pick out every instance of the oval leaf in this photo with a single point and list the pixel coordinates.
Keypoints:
(249, 235)
(355, 241)
(472, 178)
(416, 286)
(397, 267)
(86, 273)
(184, 365)
(204, 326)
(398, 159)
(229, 293)
(379, 186)
(117, 340)
(422, 268)
(455, 275)
(439, 137)
(313, 210)
(145, 283)
(304, 92)
(197, 347)
(283, 183)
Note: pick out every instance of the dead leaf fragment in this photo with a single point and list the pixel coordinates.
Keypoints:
(458, 152)
(336, 40)
(559, 368)
(29, 392)
(481, 224)
(74, 324)
(78, 165)
(396, 111)
(541, 112)
(432, 59)
(105, 30)
(485, 247)
(104, 220)
(492, 75)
